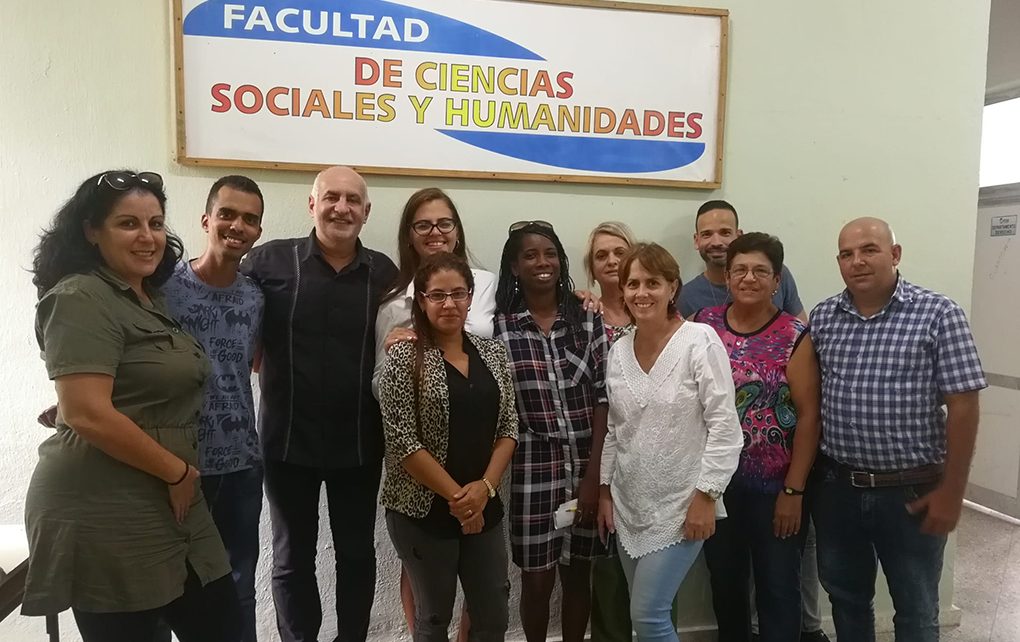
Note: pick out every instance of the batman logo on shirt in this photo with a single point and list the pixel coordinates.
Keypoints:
(235, 318)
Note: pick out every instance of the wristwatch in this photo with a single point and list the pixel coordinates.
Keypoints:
(492, 489)
(793, 491)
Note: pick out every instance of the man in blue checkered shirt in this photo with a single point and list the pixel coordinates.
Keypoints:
(889, 482)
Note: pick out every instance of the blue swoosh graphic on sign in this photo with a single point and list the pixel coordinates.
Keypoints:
(445, 35)
(588, 153)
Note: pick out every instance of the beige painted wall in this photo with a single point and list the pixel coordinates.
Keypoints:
(835, 110)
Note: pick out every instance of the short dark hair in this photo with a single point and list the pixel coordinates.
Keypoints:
(708, 206)
(658, 261)
(767, 244)
(63, 248)
(241, 184)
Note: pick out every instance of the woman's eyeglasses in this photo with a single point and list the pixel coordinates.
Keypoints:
(424, 228)
(121, 181)
(520, 225)
(439, 296)
(758, 273)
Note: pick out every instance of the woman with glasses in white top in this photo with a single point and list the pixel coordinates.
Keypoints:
(429, 225)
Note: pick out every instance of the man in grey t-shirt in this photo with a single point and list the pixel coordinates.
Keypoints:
(222, 308)
(715, 227)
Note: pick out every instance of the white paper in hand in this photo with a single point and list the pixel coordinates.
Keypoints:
(564, 515)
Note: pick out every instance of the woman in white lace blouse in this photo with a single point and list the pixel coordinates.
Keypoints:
(674, 440)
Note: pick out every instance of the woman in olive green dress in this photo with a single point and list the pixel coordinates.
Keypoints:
(117, 526)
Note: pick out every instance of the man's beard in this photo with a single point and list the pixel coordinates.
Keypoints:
(719, 263)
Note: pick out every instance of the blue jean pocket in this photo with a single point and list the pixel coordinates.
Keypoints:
(914, 492)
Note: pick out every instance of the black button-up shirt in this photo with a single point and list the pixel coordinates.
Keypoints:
(318, 353)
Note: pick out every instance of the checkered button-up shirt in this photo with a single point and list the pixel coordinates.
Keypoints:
(558, 378)
(884, 377)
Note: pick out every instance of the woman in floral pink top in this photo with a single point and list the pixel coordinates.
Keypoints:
(775, 373)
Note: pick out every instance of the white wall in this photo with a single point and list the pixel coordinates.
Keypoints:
(835, 110)
(995, 474)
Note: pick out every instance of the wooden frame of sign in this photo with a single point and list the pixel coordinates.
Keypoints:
(184, 158)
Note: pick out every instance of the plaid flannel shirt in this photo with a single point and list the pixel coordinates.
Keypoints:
(884, 377)
(558, 378)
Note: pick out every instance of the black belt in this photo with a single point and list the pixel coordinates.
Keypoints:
(884, 479)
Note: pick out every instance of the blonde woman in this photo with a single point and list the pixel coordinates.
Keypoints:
(608, 243)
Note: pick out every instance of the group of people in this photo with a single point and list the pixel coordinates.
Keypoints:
(660, 417)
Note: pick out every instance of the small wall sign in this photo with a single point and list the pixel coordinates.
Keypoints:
(1004, 225)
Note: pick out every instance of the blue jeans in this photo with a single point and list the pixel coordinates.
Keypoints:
(810, 613)
(235, 501)
(745, 540)
(654, 580)
(860, 527)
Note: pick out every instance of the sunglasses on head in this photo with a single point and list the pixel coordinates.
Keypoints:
(121, 181)
(520, 225)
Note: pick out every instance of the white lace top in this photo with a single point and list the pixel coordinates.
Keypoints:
(671, 431)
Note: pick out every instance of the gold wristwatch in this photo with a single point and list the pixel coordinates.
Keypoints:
(492, 489)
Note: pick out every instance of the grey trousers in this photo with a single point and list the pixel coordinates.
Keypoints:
(433, 565)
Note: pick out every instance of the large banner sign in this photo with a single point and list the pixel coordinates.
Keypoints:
(562, 90)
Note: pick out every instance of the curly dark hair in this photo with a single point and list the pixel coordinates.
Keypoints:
(510, 299)
(63, 248)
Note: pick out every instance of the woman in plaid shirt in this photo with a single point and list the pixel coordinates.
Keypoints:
(557, 356)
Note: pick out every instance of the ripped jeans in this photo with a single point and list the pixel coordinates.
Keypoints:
(433, 565)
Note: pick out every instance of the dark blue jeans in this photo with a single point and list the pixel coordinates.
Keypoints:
(858, 528)
(743, 541)
(235, 501)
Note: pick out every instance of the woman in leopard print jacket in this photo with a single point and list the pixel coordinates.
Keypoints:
(450, 422)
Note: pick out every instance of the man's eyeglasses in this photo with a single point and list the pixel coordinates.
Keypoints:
(121, 181)
(424, 228)
(520, 225)
(439, 296)
(758, 273)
